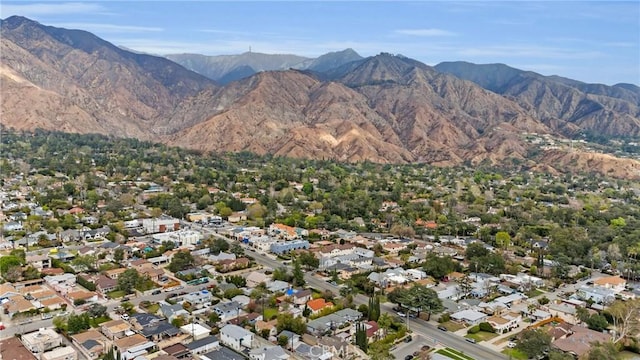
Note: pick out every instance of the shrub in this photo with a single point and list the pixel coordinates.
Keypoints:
(474, 329)
(444, 318)
(485, 326)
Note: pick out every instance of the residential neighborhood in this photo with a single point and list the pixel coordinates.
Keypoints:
(142, 268)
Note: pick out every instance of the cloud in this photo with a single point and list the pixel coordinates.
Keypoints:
(425, 32)
(37, 9)
(108, 28)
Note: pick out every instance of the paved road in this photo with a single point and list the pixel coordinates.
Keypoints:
(418, 326)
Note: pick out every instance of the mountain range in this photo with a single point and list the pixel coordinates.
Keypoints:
(385, 108)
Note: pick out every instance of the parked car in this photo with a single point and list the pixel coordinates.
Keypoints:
(156, 292)
(473, 341)
(401, 314)
(2, 326)
(511, 345)
(408, 357)
(408, 339)
(442, 327)
(124, 317)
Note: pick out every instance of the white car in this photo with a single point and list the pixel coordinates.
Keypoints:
(124, 317)
(511, 345)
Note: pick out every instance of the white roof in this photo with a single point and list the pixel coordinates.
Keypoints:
(194, 329)
(471, 315)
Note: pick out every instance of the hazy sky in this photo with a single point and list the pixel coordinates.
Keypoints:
(585, 40)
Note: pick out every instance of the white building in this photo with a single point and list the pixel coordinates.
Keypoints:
(180, 238)
(61, 353)
(236, 337)
(42, 340)
(161, 224)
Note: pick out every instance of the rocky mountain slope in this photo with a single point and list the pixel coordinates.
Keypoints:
(384, 108)
(227, 68)
(70, 79)
(567, 106)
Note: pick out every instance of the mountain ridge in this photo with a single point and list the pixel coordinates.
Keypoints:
(385, 108)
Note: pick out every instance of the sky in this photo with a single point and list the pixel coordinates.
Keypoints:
(590, 41)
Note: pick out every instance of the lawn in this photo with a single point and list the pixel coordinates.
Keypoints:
(481, 336)
(452, 326)
(116, 294)
(270, 313)
(515, 354)
(95, 322)
(535, 292)
(153, 308)
(453, 354)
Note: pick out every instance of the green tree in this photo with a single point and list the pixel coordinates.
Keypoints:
(118, 255)
(128, 280)
(603, 351)
(181, 261)
(597, 322)
(503, 239)
(309, 260)
(283, 340)
(97, 310)
(361, 337)
(534, 343)
(7, 262)
(438, 266)
(298, 275)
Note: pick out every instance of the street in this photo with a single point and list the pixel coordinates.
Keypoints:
(419, 327)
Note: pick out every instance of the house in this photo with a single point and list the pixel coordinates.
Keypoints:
(178, 351)
(82, 296)
(230, 265)
(373, 330)
(338, 320)
(196, 331)
(12, 348)
(61, 353)
(243, 300)
(278, 286)
(599, 295)
(105, 284)
(133, 346)
(17, 304)
(469, 316)
(255, 278)
(317, 305)
(114, 273)
(172, 311)
(505, 323)
(268, 327)
(268, 353)
(115, 329)
(227, 310)
(222, 353)
(280, 248)
(615, 283)
(91, 343)
(198, 299)
(7, 290)
(236, 337)
(204, 345)
(580, 339)
(301, 297)
(39, 261)
(41, 340)
(159, 331)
